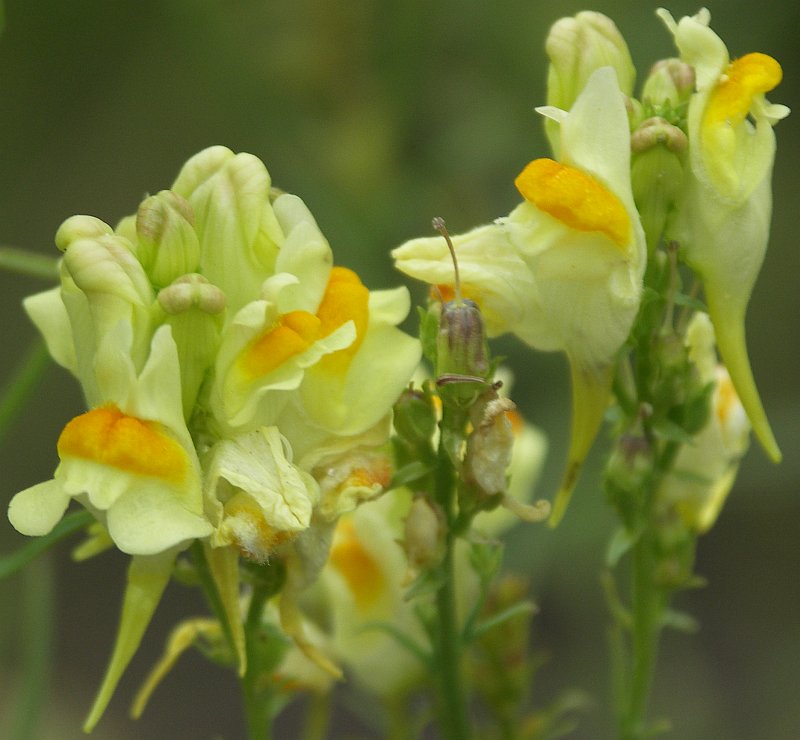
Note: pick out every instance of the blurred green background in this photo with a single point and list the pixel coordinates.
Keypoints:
(381, 114)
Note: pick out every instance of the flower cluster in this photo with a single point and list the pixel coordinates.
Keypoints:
(239, 385)
(689, 163)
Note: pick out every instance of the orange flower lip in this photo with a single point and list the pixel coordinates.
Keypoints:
(107, 436)
(574, 198)
(346, 299)
(750, 75)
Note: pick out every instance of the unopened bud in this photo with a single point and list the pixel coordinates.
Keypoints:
(80, 227)
(168, 244)
(415, 416)
(106, 265)
(657, 175)
(191, 291)
(194, 309)
(657, 131)
(577, 47)
(629, 470)
(669, 84)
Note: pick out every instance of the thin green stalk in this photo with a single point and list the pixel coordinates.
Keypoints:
(36, 641)
(210, 591)
(648, 601)
(453, 716)
(22, 384)
(24, 262)
(258, 703)
(318, 717)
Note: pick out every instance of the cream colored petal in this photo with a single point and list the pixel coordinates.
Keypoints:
(351, 404)
(36, 510)
(305, 253)
(147, 520)
(48, 313)
(595, 136)
(698, 45)
(257, 464)
(492, 272)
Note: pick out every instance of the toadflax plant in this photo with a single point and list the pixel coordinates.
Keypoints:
(238, 386)
(258, 426)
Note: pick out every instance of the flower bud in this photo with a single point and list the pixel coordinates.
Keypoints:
(656, 173)
(191, 291)
(168, 245)
(194, 309)
(669, 84)
(577, 47)
(415, 417)
(80, 227)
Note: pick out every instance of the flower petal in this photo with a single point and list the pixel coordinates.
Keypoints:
(36, 510)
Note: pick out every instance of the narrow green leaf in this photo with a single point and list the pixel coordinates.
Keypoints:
(20, 387)
(70, 524)
(621, 542)
(23, 261)
(410, 473)
(680, 621)
(402, 639)
(525, 607)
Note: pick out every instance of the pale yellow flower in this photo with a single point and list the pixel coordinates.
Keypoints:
(705, 469)
(564, 270)
(722, 221)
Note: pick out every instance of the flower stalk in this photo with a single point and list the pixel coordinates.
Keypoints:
(453, 713)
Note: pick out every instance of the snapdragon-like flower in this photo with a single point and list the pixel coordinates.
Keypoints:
(722, 219)
(563, 271)
(239, 385)
(705, 469)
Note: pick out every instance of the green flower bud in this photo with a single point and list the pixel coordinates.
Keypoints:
(168, 245)
(80, 227)
(656, 173)
(577, 47)
(670, 84)
(415, 417)
(194, 309)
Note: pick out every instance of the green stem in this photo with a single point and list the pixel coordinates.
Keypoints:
(318, 717)
(23, 262)
(453, 716)
(37, 638)
(258, 704)
(210, 591)
(648, 602)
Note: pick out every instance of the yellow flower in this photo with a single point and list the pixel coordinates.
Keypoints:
(722, 219)
(564, 270)
(129, 460)
(705, 470)
(232, 375)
